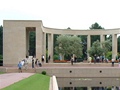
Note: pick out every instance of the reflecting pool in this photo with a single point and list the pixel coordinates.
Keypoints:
(88, 83)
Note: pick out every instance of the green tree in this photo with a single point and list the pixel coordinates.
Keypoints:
(1, 40)
(95, 37)
(106, 46)
(100, 48)
(32, 43)
(95, 26)
(96, 49)
(68, 45)
(68, 28)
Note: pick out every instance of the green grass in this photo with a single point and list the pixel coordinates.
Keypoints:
(34, 82)
(1, 72)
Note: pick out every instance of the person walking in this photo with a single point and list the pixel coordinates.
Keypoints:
(20, 66)
(39, 63)
(72, 61)
(95, 57)
(49, 58)
(43, 58)
(26, 64)
(32, 63)
(36, 63)
(113, 62)
(89, 59)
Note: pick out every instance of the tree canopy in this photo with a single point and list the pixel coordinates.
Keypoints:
(96, 49)
(106, 46)
(96, 26)
(95, 37)
(100, 48)
(68, 45)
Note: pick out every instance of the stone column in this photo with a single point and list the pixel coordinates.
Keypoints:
(89, 88)
(114, 46)
(27, 43)
(88, 43)
(50, 46)
(102, 39)
(44, 46)
(39, 43)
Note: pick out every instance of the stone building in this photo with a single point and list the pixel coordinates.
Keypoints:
(16, 39)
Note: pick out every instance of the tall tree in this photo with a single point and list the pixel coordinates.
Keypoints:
(106, 46)
(96, 49)
(68, 28)
(95, 37)
(1, 40)
(68, 45)
(100, 48)
(95, 26)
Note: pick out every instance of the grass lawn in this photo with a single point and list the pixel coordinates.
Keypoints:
(1, 72)
(34, 82)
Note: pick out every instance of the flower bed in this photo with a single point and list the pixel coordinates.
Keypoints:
(60, 61)
(116, 61)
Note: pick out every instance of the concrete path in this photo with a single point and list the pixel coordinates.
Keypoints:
(10, 78)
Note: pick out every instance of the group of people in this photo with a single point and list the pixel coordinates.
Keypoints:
(102, 59)
(47, 60)
(97, 59)
(24, 64)
(36, 63)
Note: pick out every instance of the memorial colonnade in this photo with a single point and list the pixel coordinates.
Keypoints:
(16, 39)
(102, 38)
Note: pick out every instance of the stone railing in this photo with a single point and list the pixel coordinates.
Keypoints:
(54, 83)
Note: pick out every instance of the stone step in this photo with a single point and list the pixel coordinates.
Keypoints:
(14, 70)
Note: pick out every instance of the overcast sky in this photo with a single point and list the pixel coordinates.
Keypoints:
(76, 14)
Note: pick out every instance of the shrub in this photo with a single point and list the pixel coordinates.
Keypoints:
(118, 54)
(44, 72)
(109, 55)
(56, 57)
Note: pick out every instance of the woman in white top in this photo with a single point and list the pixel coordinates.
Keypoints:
(113, 60)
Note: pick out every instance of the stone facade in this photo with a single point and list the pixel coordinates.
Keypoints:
(16, 37)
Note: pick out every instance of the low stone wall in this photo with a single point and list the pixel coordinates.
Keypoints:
(3, 70)
(89, 82)
(82, 71)
(54, 83)
(77, 70)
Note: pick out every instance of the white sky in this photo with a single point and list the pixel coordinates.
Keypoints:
(76, 14)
